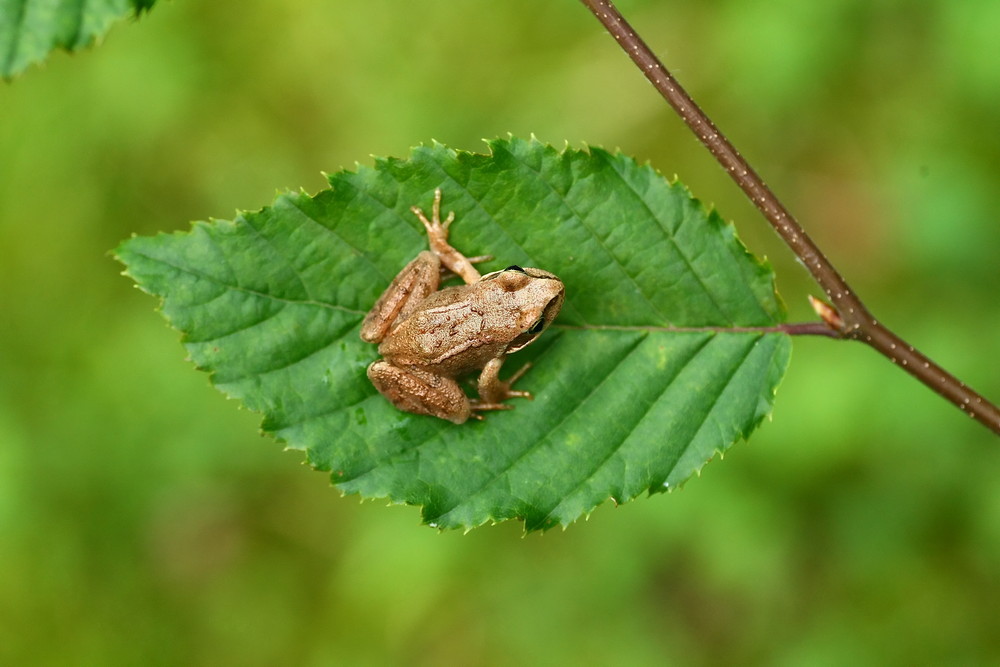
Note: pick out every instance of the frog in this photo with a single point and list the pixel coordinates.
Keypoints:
(428, 337)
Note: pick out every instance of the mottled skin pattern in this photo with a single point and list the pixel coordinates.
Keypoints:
(429, 337)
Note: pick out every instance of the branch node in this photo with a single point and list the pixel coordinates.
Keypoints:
(827, 313)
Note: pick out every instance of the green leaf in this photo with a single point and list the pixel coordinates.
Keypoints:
(643, 378)
(30, 29)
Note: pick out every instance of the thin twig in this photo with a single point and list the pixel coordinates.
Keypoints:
(849, 316)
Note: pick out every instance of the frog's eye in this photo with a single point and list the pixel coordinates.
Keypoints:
(538, 326)
(514, 267)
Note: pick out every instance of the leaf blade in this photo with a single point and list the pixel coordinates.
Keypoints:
(31, 29)
(275, 316)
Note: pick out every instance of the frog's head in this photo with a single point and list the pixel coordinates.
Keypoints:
(532, 299)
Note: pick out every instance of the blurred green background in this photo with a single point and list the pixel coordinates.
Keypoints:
(143, 520)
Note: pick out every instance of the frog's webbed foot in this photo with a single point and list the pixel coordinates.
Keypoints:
(437, 229)
(493, 391)
(437, 236)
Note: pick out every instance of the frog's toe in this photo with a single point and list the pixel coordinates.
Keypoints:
(482, 406)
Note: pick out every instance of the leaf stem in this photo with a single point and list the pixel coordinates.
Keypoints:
(853, 320)
(796, 329)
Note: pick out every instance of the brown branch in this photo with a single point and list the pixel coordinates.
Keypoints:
(848, 313)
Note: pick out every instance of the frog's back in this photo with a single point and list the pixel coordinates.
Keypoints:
(444, 337)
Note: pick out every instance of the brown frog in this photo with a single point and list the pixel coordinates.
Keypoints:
(429, 337)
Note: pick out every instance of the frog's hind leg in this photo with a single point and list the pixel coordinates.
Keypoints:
(420, 392)
(418, 280)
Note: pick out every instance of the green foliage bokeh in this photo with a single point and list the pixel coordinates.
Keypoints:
(862, 525)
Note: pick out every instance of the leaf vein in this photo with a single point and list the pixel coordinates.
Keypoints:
(302, 421)
(673, 241)
(281, 253)
(239, 288)
(597, 237)
(735, 368)
(621, 441)
(323, 344)
(544, 436)
(358, 252)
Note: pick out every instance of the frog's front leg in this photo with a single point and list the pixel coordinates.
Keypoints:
(493, 391)
(437, 235)
(418, 280)
(420, 392)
